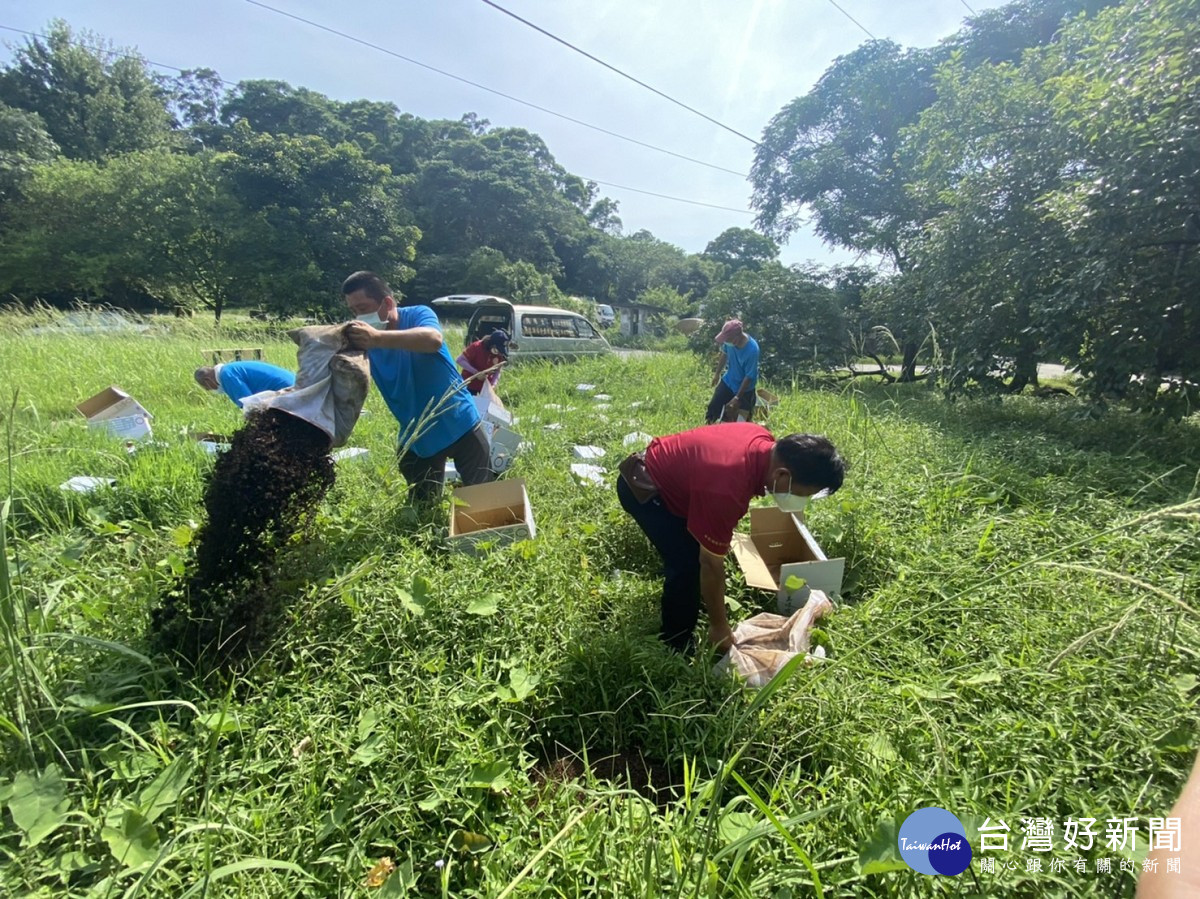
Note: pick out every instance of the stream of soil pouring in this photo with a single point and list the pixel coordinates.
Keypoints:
(276, 470)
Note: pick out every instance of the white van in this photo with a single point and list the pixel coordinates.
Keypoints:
(537, 332)
(605, 315)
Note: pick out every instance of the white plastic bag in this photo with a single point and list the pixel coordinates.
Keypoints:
(331, 385)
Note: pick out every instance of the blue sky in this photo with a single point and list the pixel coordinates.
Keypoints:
(738, 61)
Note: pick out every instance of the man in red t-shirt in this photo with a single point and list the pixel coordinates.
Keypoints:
(481, 355)
(691, 493)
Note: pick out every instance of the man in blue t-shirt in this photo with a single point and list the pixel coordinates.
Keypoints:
(736, 392)
(238, 380)
(420, 383)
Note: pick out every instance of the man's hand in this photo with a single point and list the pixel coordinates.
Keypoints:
(720, 636)
(733, 405)
(360, 336)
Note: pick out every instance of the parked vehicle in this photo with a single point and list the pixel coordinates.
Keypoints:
(605, 315)
(460, 305)
(537, 332)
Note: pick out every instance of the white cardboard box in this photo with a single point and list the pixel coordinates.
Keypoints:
(589, 474)
(505, 446)
(118, 413)
(350, 453)
(491, 409)
(780, 546)
(498, 512)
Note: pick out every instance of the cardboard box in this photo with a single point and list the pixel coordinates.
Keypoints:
(118, 413)
(589, 474)
(498, 512)
(491, 409)
(780, 546)
(351, 453)
(505, 446)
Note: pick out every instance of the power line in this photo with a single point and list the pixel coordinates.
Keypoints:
(620, 72)
(852, 19)
(666, 197)
(117, 53)
(490, 90)
(111, 52)
(968, 6)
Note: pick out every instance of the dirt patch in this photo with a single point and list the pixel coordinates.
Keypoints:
(258, 496)
(626, 770)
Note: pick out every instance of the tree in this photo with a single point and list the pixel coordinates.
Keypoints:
(155, 223)
(502, 189)
(94, 101)
(24, 142)
(739, 248)
(330, 211)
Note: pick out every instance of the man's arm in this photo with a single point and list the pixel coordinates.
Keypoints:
(415, 340)
(712, 591)
(1184, 883)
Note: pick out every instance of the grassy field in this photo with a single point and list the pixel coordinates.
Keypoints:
(1017, 639)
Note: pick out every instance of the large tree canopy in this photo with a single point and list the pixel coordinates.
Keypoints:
(94, 102)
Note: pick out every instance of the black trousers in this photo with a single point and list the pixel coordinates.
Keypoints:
(722, 395)
(427, 476)
(681, 565)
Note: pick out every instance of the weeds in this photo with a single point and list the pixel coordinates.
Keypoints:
(1017, 638)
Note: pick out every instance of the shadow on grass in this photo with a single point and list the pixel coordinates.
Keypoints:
(1124, 453)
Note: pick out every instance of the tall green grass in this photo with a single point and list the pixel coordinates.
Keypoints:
(1017, 638)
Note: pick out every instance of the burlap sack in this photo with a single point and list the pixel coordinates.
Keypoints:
(765, 643)
(331, 385)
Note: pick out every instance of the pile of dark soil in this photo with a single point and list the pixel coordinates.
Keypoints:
(259, 495)
(632, 770)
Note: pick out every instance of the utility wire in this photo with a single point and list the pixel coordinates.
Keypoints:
(622, 73)
(109, 51)
(852, 19)
(968, 6)
(491, 90)
(666, 197)
(113, 52)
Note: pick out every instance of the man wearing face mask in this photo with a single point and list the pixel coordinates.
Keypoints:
(688, 492)
(415, 373)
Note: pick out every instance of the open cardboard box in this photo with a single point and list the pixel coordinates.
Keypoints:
(780, 546)
(118, 413)
(490, 408)
(505, 446)
(498, 512)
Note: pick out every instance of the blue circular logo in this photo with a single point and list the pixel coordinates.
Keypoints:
(933, 841)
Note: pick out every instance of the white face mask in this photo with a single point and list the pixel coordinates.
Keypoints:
(788, 501)
(373, 320)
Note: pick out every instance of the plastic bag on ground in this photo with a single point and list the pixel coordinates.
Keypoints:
(765, 643)
(331, 385)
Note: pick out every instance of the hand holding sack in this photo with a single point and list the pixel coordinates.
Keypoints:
(331, 385)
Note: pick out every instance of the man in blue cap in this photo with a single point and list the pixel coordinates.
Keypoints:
(414, 372)
(735, 392)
